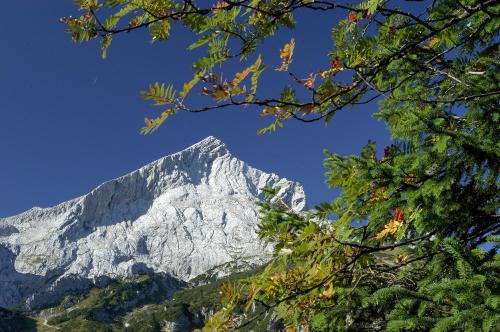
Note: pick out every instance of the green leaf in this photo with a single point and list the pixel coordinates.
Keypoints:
(160, 94)
(105, 42)
(202, 41)
(189, 85)
(160, 30)
(372, 5)
(111, 22)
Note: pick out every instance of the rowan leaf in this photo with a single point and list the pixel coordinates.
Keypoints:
(105, 42)
(189, 85)
(153, 124)
(286, 55)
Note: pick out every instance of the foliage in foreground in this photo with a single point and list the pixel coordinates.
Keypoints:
(411, 243)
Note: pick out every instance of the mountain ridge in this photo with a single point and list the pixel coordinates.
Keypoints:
(179, 215)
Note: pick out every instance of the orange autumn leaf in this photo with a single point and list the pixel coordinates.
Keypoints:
(336, 64)
(286, 54)
(390, 228)
(309, 82)
(352, 17)
(220, 5)
(240, 76)
(134, 22)
(393, 225)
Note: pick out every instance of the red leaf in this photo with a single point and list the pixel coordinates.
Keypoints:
(399, 215)
(336, 64)
(352, 17)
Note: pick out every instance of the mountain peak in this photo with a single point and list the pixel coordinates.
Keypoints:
(209, 144)
(212, 141)
(182, 215)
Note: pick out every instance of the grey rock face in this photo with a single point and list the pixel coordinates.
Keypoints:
(180, 215)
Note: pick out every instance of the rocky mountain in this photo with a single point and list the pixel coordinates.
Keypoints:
(180, 216)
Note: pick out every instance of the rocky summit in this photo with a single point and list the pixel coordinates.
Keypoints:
(180, 216)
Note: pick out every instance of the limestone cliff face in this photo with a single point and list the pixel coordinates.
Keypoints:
(181, 215)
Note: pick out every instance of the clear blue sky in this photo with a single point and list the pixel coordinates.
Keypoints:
(70, 120)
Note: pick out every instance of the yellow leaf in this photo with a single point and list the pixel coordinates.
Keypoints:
(153, 124)
(390, 228)
(432, 42)
(271, 289)
(400, 259)
(286, 54)
(328, 293)
(238, 77)
(189, 85)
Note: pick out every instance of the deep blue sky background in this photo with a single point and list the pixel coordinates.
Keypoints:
(70, 120)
